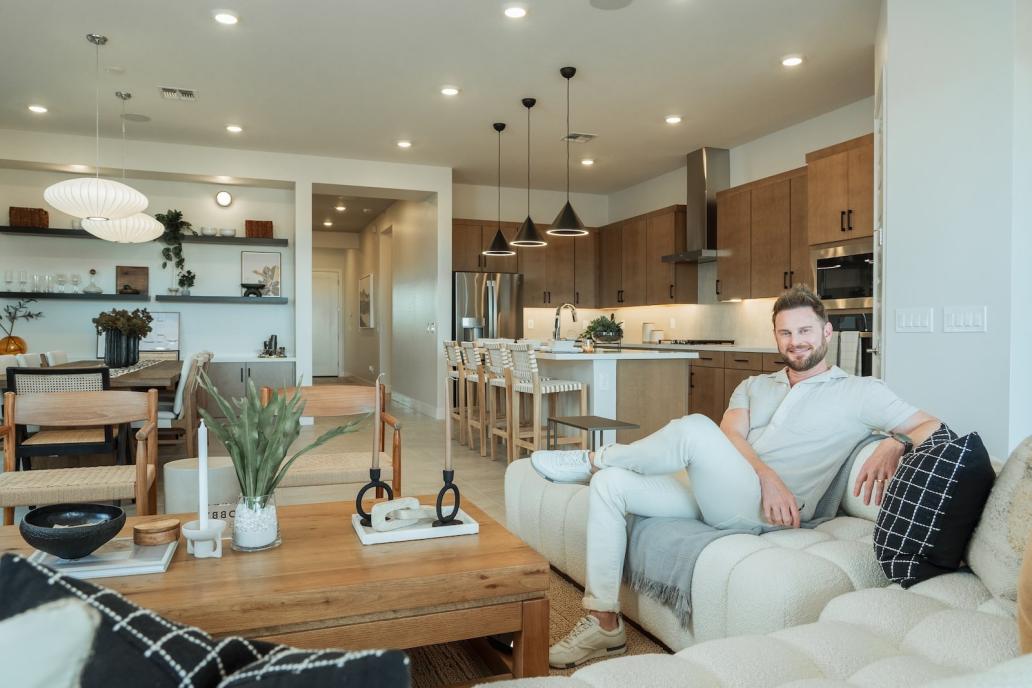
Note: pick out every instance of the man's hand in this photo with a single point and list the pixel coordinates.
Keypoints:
(779, 504)
(877, 470)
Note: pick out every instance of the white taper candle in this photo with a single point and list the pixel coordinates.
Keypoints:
(447, 423)
(202, 475)
(376, 425)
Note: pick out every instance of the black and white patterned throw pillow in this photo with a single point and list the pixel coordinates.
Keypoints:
(288, 667)
(931, 507)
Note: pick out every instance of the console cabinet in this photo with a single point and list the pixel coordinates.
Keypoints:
(231, 378)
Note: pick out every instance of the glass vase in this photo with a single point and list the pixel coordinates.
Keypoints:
(255, 525)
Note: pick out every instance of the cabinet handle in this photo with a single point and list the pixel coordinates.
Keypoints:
(671, 292)
(849, 219)
(791, 276)
(241, 374)
(576, 297)
(619, 296)
(740, 360)
(718, 287)
(785, 280)
(842, 221)
(691, 379)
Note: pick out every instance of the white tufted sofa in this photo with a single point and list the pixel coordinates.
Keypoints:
(808, 609)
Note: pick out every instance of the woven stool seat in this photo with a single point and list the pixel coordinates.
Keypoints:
(54, 486)
(66, 436)
(549, 386)
(334, 469)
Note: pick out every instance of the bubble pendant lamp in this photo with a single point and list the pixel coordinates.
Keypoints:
(528, 236)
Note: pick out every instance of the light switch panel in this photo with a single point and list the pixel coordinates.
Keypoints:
(919, 319)
(530, 323)
(673, 324)
(965, 318)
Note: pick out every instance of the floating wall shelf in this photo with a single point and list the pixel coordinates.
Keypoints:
(187, 239)
(246, 300)
(73, 297)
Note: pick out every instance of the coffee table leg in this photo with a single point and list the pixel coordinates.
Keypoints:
(530, 645)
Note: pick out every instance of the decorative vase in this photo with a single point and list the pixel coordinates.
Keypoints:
(120, 350)
(13, 345)
(184, 291)
(255, 525)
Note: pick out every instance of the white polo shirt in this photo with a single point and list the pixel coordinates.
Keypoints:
(806, 432)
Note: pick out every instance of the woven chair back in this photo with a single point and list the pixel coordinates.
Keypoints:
(524, 362)
(470, 356)
(334, 400)
(30, 360)
(496, 359)
(451, 352)
(75, 409)
(49, 380)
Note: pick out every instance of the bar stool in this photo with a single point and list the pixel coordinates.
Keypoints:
(498, 366)
(527, 381)
(455, 373)
(476, 395)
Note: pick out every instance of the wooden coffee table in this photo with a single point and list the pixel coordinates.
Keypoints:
(321, 588)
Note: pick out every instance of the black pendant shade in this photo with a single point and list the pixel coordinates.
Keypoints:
(566, 222)
(528, 236)
(499, 246)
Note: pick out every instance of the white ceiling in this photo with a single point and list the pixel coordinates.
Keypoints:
(360, 212)
(350, 78)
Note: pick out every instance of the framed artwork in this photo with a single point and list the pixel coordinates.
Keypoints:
(163, 337)
(365, 302)
(261, 267)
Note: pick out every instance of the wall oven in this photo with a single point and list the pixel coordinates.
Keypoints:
(843, 274)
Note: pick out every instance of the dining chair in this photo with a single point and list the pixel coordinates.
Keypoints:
(456, 373)
(341, 467)
(498, 366)
(96, 483)
(64, 440)
(179, 416)
(55, 358)
(475, 383)
(30, 360)
(7, 361)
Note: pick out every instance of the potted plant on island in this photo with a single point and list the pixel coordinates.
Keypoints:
(258, 438)
(603, 329)
(122, 332)
(19, 311)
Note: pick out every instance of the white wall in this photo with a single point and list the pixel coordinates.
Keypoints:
(66, 324)
(1020, 405)
(470, 201)
(659, 192)
(950, 231)
(301, 171)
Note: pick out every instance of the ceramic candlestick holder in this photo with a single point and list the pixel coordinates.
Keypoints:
(374, 482)
(204, 543)
(449, 486)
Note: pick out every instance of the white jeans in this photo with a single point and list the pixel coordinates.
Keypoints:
(639, 478)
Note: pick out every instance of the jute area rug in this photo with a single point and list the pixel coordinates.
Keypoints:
(455, 663)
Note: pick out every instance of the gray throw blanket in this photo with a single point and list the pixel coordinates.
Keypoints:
(661, 552)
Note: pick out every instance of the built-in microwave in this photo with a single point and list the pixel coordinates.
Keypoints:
(843, 274)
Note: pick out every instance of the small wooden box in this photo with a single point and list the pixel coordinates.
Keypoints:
(137, 280)
(29, 217)
(258, 229)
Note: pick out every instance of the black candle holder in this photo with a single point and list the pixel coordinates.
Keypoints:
(374, 482)
(449, 486)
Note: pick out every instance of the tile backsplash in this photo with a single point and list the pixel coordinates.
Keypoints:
(747, 322)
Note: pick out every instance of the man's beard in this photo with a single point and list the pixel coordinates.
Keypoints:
(815, 357)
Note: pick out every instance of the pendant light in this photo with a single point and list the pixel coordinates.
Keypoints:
(499, 246)
(566, 222)
(135, 229)
(92, 197)
(528, 236)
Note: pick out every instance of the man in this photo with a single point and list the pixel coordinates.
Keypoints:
(779, 446)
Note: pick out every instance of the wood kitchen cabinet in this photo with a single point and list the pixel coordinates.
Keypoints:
(799, 268)
(632, 262)
(466, 246)
(779, 247)
(585, 270)
(840, 191)
(559, 269)
(734, 213)
(706, 391)
(610, 265)
(533, 263)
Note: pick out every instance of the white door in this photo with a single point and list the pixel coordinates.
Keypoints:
(325, 323)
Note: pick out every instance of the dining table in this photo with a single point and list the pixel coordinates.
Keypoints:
(162, 375)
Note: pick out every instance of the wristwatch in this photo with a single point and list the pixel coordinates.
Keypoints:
(908, 444)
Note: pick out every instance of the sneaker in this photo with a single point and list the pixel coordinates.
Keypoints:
(587, 641)
(569, 466)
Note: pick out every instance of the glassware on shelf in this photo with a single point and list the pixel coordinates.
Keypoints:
(8, 280)
(23, 280)
(48, 283)
(37, 282)
(76, 280)
(92, 287)
(61, 278)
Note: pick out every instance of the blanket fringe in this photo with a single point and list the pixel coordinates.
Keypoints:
(667, 595)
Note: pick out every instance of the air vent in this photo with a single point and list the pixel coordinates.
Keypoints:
(575, 137)
(169, 93)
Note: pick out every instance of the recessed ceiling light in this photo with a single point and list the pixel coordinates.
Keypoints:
(515, 12)
(38, 109)
(673, 119)
(341, 208)
(79, 168)
(450, 90)
(327, 223)
(587, 162)
(404, 144)
(792, 60)
(227, 18)
(367, 210)
(234, 129)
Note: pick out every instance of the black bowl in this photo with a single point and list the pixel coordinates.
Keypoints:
(86, 528)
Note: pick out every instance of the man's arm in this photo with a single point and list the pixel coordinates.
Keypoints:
(882, 463)
(779, 504)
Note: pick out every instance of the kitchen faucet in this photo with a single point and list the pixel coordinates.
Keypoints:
(558, 317)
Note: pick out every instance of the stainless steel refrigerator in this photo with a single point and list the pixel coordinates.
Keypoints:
(487, 305)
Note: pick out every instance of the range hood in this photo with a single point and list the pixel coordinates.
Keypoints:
(709, 171)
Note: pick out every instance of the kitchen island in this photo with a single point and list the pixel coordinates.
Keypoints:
(649, 388)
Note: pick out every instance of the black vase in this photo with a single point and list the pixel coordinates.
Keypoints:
(120, 350)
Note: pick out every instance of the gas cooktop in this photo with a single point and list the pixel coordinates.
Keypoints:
(698, 342)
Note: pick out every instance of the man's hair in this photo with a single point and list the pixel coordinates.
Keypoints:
(799, 296)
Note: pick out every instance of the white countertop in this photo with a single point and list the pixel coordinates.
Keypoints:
(705, 347)
(613, 355)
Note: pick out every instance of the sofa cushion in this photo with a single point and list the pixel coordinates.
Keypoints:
(32, 654)
(931, 507)
(999, 541)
